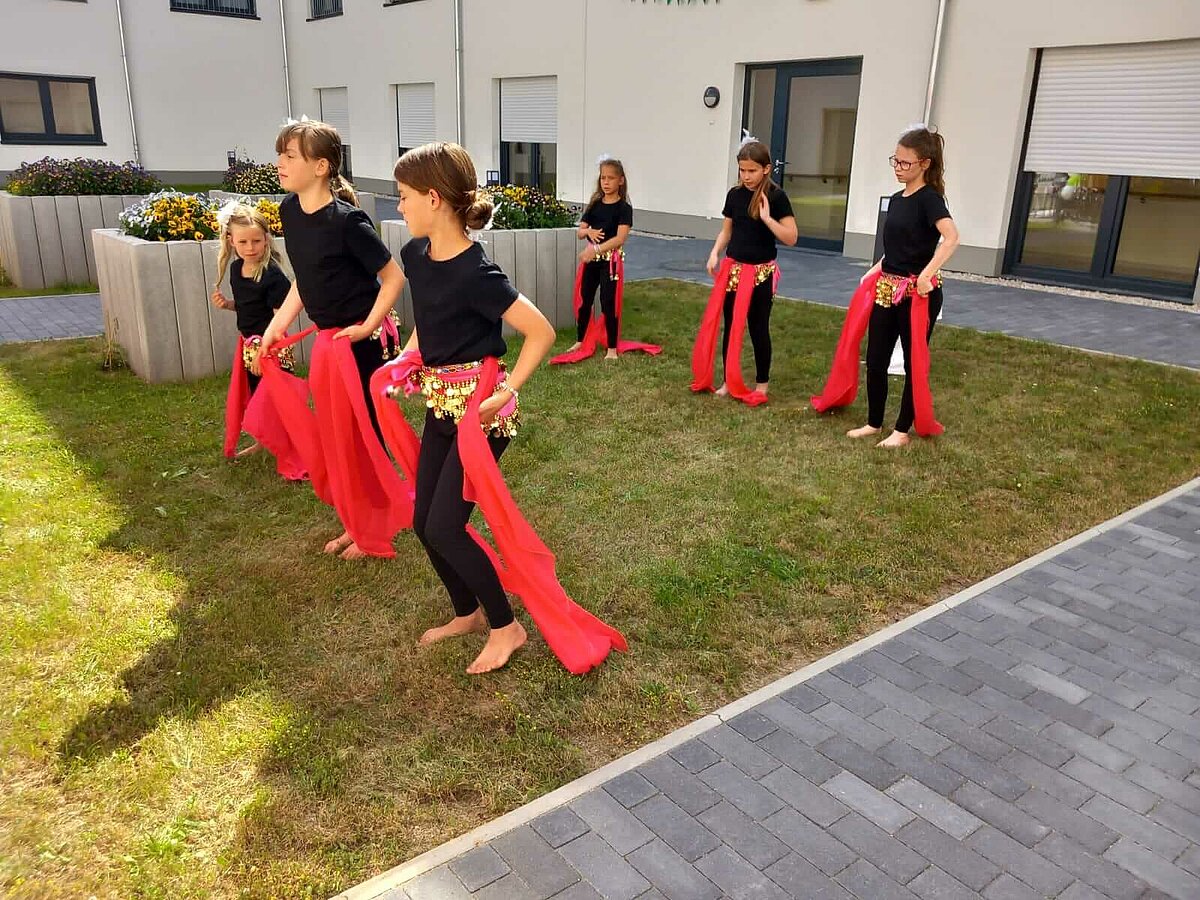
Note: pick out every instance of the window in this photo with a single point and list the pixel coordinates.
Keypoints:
(334, 104)
(414, 116)
(529, 132)
(323, 9)
(398, 2)
(47, 109)
(242, 9)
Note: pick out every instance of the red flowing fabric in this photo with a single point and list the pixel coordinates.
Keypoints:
(842, 385)
(348, 466)
(236, 400)
(596, 334)
(705, 348)
(257, 416)
(523, 562)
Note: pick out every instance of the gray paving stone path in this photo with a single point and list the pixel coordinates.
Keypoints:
(1039, 739)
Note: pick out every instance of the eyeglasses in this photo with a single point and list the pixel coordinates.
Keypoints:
(902, 164)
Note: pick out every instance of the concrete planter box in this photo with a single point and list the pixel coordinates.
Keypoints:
(365, 200)
(46, 241)
(540, 262)
(155, 298)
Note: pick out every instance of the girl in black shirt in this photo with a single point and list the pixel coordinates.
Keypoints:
(259, 286)
(460, 301)
(605, 225)
(757, 214)
(347, 282)
(918, 238)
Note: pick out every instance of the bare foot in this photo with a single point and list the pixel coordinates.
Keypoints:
(501, 644)
(864, 431)
(353, 551)
(895, 439)
(473, 624)
(246, 451)
(722, 391)
(612, 354)
(339, 543)
(762, 386)
(578, 345)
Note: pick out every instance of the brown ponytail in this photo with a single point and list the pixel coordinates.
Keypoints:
(447, 168)
(320, 140)
(930, 145)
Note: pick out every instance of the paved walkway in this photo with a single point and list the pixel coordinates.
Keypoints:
(1036, 736)
(1146, 332)
(44, 318)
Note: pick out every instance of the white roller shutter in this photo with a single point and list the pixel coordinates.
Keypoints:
(335, 109)
(1125, 109)
(414, 114)
(529, 110)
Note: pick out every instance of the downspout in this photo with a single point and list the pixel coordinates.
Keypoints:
(458, 70)
(933, 60)
(137, 157)
(287, 79)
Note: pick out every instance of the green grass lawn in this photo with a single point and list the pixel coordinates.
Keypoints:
(195, 702)
(7, 291)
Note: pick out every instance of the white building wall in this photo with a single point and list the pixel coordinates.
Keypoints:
(369, 49)
(203, 84)
(57, 37)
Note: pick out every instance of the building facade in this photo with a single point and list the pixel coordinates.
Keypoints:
(1072, 127)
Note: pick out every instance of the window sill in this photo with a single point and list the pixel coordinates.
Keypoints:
(35, 140)
(320, 18)
(221, 15)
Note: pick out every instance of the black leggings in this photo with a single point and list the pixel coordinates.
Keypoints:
(887, 324)
(597, 274)
(758, 324)
(440, 520)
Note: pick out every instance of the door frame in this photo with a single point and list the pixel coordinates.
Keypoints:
(784, 73)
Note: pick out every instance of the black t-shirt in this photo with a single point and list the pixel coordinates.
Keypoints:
(752, 241)
(608, 217)
(335, 254)
(256, 301)
(910, 234)
(457, 303)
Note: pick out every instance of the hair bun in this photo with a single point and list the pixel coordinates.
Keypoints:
(479, 213)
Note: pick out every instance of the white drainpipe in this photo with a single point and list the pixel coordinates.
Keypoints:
(287, 80)
(137, 157)
(933, 60)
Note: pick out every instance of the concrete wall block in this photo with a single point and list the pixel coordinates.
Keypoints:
(70, 230)
(91, 217)
(547, 272)
(568, 261)
(524, 274)
(191, 309)
(158, 325)
(111, 206)
(49, 242)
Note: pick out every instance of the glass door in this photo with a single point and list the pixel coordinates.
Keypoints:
(806, 113)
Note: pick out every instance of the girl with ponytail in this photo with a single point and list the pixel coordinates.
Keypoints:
(757, 214)
(347, 283)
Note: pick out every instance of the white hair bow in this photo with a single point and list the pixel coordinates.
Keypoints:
(747, 138)
(603, 158)
(225, 213)
(290, 121)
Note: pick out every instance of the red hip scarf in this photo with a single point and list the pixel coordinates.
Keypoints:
(257, 416)
(348, 466)
(524, 564)
(595, 335)
(705, 347)
(842, 385)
